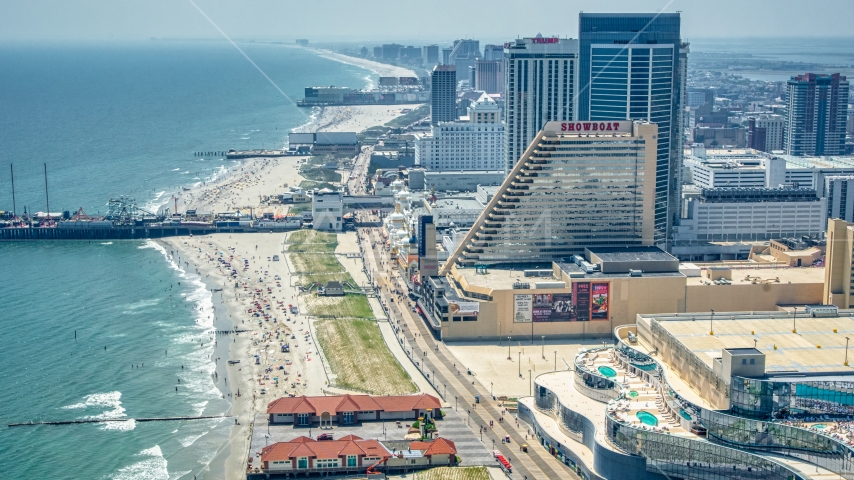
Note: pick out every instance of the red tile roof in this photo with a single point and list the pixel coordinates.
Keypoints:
(441, 446)
(327, 449)
(406, 403)
(351, 403)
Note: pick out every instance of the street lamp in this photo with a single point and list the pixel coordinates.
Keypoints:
(794, 319)
(543, 349)
(508, 348)
(530, 384)
(455, 402)
(846, 351)
(520, 364)
(555, 360)
(712, 322)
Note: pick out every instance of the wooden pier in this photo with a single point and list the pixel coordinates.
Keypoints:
(116, 232)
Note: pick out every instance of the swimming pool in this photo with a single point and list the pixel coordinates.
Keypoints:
(819, 426)
(608, 371)
(647, 418)
(633, 393)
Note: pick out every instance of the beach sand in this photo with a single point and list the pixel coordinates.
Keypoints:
(381, 69)
(242, 186)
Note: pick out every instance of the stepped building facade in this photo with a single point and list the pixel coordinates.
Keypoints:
(579, 184)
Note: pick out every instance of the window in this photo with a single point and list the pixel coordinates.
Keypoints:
(348, 417)
(302, 462)
(351, 460)
(302, 419)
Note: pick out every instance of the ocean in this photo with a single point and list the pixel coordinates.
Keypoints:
(109, 121)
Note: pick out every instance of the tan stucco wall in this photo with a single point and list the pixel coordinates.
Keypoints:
(751, 297)
(630, 296)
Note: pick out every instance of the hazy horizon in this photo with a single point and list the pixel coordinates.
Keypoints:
(327, 21)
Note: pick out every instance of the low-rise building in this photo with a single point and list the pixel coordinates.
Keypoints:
(333, 289)
(327, 210)
(751, 214)
(591, 294)
(352, 454)
(349, 409)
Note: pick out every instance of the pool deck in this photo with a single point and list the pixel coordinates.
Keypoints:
(648, 399)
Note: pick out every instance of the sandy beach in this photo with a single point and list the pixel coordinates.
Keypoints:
(381, 69)
(261, 286)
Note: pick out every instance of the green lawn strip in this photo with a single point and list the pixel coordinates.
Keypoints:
(418, 113)
(453, 473)
(312, 236)
(348, 306)
(360, 358)
(315, 263)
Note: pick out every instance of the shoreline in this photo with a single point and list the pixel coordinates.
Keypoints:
(240, 186)
(381, 69)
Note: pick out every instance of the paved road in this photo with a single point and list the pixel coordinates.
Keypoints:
(458, 388)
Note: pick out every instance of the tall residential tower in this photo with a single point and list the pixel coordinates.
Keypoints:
(816, 115)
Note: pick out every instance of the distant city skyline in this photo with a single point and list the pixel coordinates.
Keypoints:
(333, 21)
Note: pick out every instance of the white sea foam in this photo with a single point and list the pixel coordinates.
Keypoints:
(106, 243)
(137, 307)
(176, 169)
(189, 440)
(154, 204)
(153, 467)
(197, 359)
(125, 426)
(200, 408)
(110, 402)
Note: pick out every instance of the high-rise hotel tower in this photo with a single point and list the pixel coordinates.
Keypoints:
(577, 185)
(632, 67)
(539, 77)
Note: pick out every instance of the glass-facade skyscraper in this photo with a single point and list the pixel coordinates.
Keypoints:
(631, 67)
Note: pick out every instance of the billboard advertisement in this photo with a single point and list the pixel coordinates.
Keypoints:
(552, 307)
(599, 301)
(522, 308)
(587, 302)
(463, 308)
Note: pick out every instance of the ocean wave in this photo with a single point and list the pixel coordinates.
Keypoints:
(111, 401)
(154, 204)
(176, 169)
(152, 468)
(200, 407)
(106, 243)
(125, 426)
(189, 440)
(133, 308)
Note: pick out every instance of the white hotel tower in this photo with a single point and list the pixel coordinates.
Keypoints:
(473, 143)
(540, 81)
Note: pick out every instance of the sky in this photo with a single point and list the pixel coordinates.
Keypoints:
(399, 20)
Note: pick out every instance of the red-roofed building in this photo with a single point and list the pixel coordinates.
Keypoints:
(304, 455)
(351, 454)
(349, 409)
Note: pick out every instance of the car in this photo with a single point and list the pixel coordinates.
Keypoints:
(325, 436)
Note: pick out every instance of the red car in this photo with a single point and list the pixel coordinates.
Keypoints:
(325, 436)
